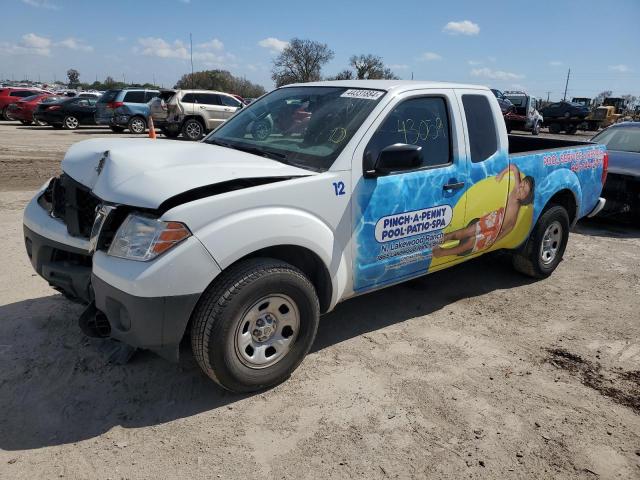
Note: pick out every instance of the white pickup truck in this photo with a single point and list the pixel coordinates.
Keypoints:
(311, 195)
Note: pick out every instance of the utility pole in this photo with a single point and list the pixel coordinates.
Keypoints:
(548, 93)
(191, 50)
(566, 85)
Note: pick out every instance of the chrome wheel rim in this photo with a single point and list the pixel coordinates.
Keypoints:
(137, 125)
(551, 241)
(194, 130)
(267, 331)
(71, 122)
(262, 131)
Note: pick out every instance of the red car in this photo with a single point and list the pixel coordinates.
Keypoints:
(9, 95)
(23, 109)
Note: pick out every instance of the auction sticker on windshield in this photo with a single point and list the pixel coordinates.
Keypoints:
(366, 94)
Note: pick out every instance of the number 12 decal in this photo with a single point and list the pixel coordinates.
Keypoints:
(339, 188)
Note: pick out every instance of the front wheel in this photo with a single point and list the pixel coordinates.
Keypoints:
(544, 248)
(536, 128)
(70, 122)
(255, 324)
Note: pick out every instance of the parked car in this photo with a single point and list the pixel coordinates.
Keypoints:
(525, 115)
(241, 243)
(192, 112)
(24, 109)
(505, 104)
(123, 109)
(564, 116)
(68, 113)
(12, 95)
(95, 95)
(622, 188)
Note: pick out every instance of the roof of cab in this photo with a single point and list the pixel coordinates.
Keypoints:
(388, 85)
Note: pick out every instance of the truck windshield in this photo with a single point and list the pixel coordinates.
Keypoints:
(306, 127)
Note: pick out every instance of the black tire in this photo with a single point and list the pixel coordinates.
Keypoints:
(25, 122)
(6, 115)
(193, 129)
(261, 130)
(571, 130)
(220, 314)
(536, 128)
(70, 122)
(555, 128)
(137, 125)
(530, 259)
(116, 129)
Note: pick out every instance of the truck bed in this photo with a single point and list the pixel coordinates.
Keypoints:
(526, 144)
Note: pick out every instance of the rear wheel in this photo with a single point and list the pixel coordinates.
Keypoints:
(544, 248)
(193, 129)
(261, 130)
(116, 129)
(255, 324)
(571, 129)
(137, 125)
(70, 122)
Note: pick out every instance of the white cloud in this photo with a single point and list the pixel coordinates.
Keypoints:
(555, 63)
(186, 1)
(464, 27)
(30, 44)
(41, 4)
(619, 68)
(158, 47)
(74, 44)
(275, 45)
(209, 54)
(495, 74)
(213, 44)
(430, 56)
(121, 38)
(474, 63)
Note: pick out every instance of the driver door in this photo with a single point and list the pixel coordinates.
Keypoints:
(398, 218)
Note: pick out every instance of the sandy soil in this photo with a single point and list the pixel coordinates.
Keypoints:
(474, 372)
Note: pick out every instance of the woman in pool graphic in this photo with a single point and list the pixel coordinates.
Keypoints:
(483, 232)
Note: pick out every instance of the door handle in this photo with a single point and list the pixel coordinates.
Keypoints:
(453, 186)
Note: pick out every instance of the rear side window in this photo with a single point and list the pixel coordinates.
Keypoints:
(208, 98)
(134, 97)
(21, 94)
(150, 95)
(109, 96)
(189, 98)
(228, 101)
(483, 137)
(419, 121)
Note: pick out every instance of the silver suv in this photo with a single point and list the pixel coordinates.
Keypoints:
(192, 112)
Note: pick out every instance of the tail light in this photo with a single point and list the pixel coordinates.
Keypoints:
(114, 105)
(605, 167)
(54, 107)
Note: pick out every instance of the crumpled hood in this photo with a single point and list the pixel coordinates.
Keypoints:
(145, 172)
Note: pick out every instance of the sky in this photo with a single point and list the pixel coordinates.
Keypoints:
(508, 45)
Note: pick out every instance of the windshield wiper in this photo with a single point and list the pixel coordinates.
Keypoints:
(262, 152)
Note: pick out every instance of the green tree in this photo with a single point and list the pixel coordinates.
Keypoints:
(220, 80)
(74, 77)
(366, 67)
(300, 61)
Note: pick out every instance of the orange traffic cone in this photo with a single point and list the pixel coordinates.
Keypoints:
(152, 130)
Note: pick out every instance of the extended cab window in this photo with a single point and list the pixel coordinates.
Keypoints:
(134, 97)
(419, 121)
(483, 137)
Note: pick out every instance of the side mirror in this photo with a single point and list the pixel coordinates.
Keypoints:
(394, 158)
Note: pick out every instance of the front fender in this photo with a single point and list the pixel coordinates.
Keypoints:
(233, 237)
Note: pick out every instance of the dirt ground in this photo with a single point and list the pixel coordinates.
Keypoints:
(474, 372)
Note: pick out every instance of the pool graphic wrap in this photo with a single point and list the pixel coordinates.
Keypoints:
(406, 225)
